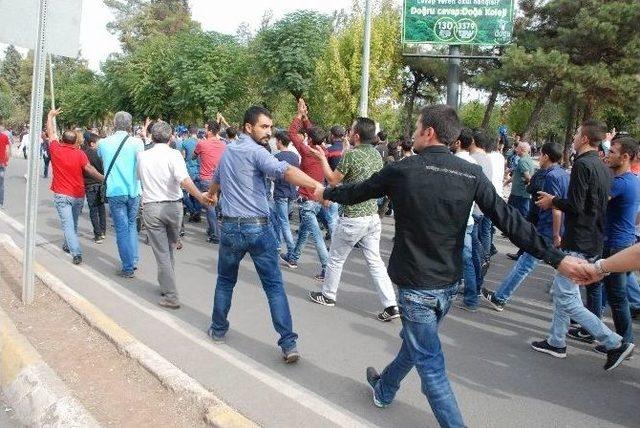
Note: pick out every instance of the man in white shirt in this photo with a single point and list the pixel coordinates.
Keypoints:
(162, 172)
(497, 177)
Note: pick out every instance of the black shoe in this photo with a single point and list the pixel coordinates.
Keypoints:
(126, 274)
(213, 240)
(573, 324)
(544, 347)
(214, 337)
(635, 314)
(98, 239)
(580, 334)
(485, 268)
(513, 256)
(321, 299)
(490, 298)
(615, 357)
(65, 248)
(600, 349)
(320, 277)
(288, 262)
(372, 379)
(77, 260)
(390, 313)
(493, 251)
(291, 356)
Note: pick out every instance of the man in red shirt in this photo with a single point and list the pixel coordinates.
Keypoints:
(68, 163)
(309, 207)
(5, 154)
(210, 151)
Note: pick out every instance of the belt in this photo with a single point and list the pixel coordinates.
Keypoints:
(162, 202)
(246, 220)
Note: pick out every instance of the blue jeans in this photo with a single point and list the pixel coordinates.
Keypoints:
(260, 242)
(524, 266)
(633, 291)
(309, 225)
(2, 172)
(469, 270)
(568, 305)
(478, 257)
(213, 230)
(485, 236)
(124, 211)
(422, 311)
(329, 215)
(281, 224)
(615, 286)
(521, 203)
(69, 209)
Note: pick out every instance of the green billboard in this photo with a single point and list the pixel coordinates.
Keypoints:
(458, 22)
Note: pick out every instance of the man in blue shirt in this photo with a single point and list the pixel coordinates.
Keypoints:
(619, 234)
(549, 224)
(240, 176)
(187, 147)
(284, 194)
(123, 188)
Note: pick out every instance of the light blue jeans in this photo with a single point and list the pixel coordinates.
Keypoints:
(568, 305)
(524, 266)
(309, 226)
(633, 291)
(124, 212)
(281, 222)
(2, 172)
(69, 209)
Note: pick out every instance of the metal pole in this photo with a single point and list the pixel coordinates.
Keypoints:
(453, 76)
(53, 98)
(366, 48)
(35, 123)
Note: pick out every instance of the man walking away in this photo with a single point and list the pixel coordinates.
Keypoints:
(246, 229)
(187, 147)
(358, 223)
(69, 163)
(426, 261)
(163, 172)
(522, 173)
(45, 154)
(119, 158)
(93, 189)
(284, 194)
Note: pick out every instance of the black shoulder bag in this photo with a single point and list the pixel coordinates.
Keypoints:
(103, 188)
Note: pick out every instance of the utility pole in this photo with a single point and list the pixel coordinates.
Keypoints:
(53, 98)
(366, 49)
(453, 76)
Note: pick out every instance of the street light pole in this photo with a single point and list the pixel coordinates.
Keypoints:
(366, 49)
(453, 76)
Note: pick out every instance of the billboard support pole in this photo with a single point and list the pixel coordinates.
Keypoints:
(453, 76)
(366, 49)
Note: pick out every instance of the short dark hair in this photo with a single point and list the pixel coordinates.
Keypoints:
(382, 136)
(594, 130)
(93, 137)
(213, 126)
(407, 144)
(628, 145)
(553, 151)
(193, 129)
(317, 135)
(283, 137)
(253, 113)
(366, 129)
(466, 138)
(337, 131)
(69, 137)
(232, 131)
(481, 138)
(492, 144)
(150, 126)
(444, 121)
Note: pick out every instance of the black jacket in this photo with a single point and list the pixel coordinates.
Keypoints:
(586, 204)
(432, 194)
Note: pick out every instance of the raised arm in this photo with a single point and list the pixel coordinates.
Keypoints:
(51, 131)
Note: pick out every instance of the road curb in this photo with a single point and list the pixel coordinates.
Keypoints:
(37, 395)
(216, 412)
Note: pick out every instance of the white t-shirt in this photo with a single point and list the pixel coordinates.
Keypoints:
(497, 171)
(161, 169)
(462, 154)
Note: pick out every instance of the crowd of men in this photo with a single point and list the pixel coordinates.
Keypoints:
(247, 181)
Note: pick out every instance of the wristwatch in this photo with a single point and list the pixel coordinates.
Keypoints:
(599, 268)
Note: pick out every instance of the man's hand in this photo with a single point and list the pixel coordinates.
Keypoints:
(318, 192)
(590, 274)
(302, 108)
(557, 241)
(218, 117)
(317, 153)
(572, 267)
(54, 112)
(544, 201)
(206, 199)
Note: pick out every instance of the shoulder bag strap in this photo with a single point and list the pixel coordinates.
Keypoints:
(113, 160)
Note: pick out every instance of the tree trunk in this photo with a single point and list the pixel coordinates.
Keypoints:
(490, 105)
(410, 104)
(572, 113)
(537, 111)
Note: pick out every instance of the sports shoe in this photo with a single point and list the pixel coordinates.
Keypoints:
(65, 248)
(213, 240)
(490, 298)
(77, 260)
(615, 357)
(513, 256)
(390, 313)
(544, 347)
(600, 349)
(125, 274)
(485, 268)
(168, 302)
(214, 337)
(580, 334)
(288, 262)
(98, 239)
(321, 299)
(372, 379)
(461, 305)
(320, 277)
(291, 356)
(574, 324)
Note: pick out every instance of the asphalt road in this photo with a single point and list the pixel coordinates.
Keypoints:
(499, 381)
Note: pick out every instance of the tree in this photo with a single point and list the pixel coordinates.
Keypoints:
(10, 68)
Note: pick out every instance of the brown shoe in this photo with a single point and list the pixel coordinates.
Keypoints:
(166, 302)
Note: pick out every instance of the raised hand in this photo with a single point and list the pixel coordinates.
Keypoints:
(317, 153)
(55, 112)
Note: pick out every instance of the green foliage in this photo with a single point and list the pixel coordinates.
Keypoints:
(517, 114)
